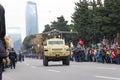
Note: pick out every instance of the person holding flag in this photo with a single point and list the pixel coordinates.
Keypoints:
(81, 43)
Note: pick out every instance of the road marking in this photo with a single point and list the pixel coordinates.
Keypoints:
(105, 77)
(106, 68)
(54, 71)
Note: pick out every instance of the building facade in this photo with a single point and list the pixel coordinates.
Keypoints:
(31, 18)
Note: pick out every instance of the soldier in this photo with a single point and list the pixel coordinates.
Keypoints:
(2, 35)
(12, 56)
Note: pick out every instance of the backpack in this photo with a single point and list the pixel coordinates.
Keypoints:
(3, 53)
(12, 55)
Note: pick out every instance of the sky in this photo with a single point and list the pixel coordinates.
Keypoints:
(48, 11)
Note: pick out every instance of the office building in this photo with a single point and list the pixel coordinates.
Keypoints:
(31, 18)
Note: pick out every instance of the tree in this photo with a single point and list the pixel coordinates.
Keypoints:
(111, 19)
(82, 21)
(47, 28)
(38, 43)
(98, 21)
(27, 41)
(60, 24)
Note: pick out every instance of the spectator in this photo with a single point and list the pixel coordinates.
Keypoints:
(118, 54)
(103, 52)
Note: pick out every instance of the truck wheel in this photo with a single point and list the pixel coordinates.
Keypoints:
(64, 62)
(67, 61)
(45, 61)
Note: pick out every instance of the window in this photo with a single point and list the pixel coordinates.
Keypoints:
(55, 42)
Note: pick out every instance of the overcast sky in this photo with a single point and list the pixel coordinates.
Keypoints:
(48, 11)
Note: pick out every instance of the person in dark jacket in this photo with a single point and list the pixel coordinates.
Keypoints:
(2, 22)
(103, 52)
(12, 56)
(2, 35)
(20, 57)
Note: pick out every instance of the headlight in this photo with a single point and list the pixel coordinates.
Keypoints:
(67, 49)
(45, 49)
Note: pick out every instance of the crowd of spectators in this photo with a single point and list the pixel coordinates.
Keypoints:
(101, 54)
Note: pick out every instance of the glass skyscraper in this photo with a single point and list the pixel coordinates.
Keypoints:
(31, 18)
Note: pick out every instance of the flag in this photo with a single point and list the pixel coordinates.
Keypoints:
(81, 42)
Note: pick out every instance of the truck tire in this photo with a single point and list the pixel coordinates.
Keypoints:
(45, 61)
(64, 62)
(67, 61)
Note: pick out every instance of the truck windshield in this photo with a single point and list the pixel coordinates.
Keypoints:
(55, 42)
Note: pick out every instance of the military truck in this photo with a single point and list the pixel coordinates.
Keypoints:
(9, 45)
(56, 50)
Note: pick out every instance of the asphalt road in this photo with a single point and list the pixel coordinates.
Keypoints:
(32, 69)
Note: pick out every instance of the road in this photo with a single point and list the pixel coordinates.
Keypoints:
(32, 69)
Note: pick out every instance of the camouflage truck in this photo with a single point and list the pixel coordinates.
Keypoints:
(9, 45)
(56, 50)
